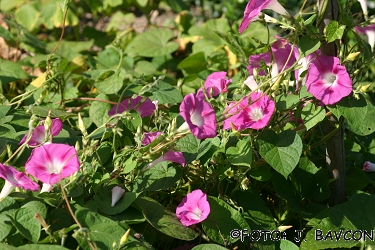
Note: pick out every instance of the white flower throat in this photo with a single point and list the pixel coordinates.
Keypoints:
(256, 114)
(330, 79)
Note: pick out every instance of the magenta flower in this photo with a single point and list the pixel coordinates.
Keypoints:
(170, 155)
(194, 208)
(199, 116)
(369, 31)
(216, 83)
(39, 136)
(13, 178)
(283, 58)
(51, 163)
(144, 108)
(327, 80)
(253, 9)
(255, 116)
(117, 193)
(369, 166)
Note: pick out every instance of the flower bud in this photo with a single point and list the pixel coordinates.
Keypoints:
(81, 125)
(124, 238)
(117, 193)
(352, 56)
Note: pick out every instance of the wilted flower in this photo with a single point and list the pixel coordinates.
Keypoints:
(199, 116)
(117, 193)
(13, 178)
(170, 155)
(144, 108)
(216, 83)
(39, 136)
(194, 208)
(253, 9)
(51, 163)
(327, 80)
(369, 166)
(369, 31)
(254, 112)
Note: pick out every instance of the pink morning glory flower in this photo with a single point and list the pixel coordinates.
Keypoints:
(193, 209)
(327, 80)
(216, 83)
(39, 136)
(170, 155)
(51, 163)
(305, 62)
(251, 83)
(13, 178)
(369, 166)
(254, 112)
(145, 108)
(199, 116)
(283, 58)
(369, 31)
(253, 9)
(117, 193)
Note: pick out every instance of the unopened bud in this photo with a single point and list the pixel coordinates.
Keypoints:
(124, 238)
(47, 126)
(81, 125)
(352, 56)
(283, 228)
(42, 222)
(365, 88)
(34, 120)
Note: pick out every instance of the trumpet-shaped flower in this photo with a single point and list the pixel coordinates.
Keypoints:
(327, 80)
(369, 166)
(280, 59)
(254, 8)
(13, 178)
(194, 208)
(39, 136)
(170, 155)
(144, 108)
(199, 116)
(363, 4)
(51, 163)
(369, 31)
(117, 193)
(254, 112)
(216, 83)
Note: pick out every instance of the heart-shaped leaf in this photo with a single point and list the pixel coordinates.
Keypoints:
(281, 151)
(241, 155)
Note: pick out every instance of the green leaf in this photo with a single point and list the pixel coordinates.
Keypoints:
(241, 155)
(194, 63)
(27, 16)
(132, 121)
(355, 214)
(334, 31)
(153, 43)
(41, 247)
(234, 46)
(208, 246)
(112, 84)
(4, 110)
(308, 45)
(281, 151)
(312, 115)
(157, 178)
(188, 144)
(6, 5)
(25, 222)
(5, 226)
(222, 220)
(103, 201)
(177, 5)
(358, 113)
(103, 231)
(11, 71)
(284, 102)
(164, 220)
(7, 131)
(165, 93)
(69, 49)
(43, 111)
(99, 110)
(288, 245)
